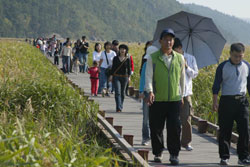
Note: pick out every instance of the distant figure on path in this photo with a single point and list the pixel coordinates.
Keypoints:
(97, 52)
(148, 43)
(165, 80)
(67, 40)
(56, 57)
(187, 111)
(132, 72)
(94, 78)
(115, 45)
(76, 64)
(233, 77)
(84, 54)
(105, 64)
(120, 75)
(66, 54)
(77, 49)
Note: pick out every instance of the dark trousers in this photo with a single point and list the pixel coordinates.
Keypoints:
(161, 113)
(66, 64)
(120, 85)
(230, 110)
(56, 60)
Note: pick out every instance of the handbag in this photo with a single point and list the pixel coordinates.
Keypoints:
(107, 70)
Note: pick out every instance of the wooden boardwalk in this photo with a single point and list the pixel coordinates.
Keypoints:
(205, 151)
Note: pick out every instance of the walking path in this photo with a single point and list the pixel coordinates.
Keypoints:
(205, 151)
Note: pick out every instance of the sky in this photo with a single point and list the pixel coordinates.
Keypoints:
(237, 8)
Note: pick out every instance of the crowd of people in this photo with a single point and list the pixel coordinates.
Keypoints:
(166, 76)
(111, 70)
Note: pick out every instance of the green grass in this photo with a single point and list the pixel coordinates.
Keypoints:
(43, 120)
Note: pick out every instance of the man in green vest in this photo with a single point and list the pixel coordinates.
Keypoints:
(165, 80)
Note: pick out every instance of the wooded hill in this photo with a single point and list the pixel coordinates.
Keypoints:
(126, 20)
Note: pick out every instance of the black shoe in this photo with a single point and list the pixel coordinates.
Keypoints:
(245, 161)
(107, 95)
(174, 160)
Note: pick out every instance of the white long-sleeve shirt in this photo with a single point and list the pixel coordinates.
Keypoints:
(96, 56)
(149, 73)
(191, 73)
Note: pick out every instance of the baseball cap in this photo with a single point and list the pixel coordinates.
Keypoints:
(166, 32)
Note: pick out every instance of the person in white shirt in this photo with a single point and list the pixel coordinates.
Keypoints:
(191, 70)
(97, 52)
(106, 61)
(43, 48)
(66, 55)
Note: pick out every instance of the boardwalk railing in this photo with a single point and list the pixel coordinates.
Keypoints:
(215, 128)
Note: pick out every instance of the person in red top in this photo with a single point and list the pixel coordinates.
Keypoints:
(132, 71)
(94, 78)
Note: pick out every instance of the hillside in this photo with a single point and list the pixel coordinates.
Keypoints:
(102, 20)
(106, 19)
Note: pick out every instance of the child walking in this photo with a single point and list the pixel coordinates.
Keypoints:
(56, 57)
(94, 78)
(76, 64)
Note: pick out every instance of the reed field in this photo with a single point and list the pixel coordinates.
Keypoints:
(43, 120)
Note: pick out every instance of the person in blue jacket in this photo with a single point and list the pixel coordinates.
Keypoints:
(143, 94)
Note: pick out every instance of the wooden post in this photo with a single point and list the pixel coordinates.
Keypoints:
(136, 92)
(202, 126)
(102, 113)
(110, 120)
(118, 129)
(129, 139)
(131, 90)
(143, 153)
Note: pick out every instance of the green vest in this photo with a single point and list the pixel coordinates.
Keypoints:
(166, 82)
